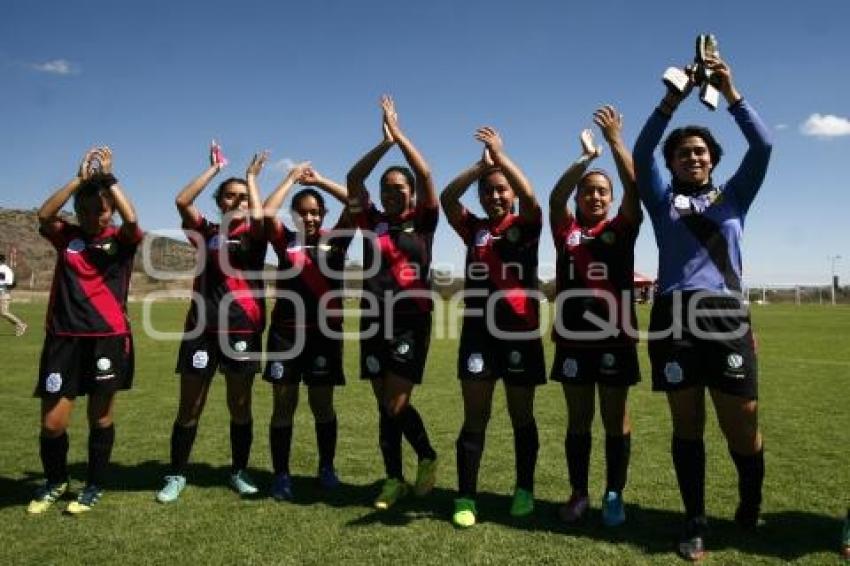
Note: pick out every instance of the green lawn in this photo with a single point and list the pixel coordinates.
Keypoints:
(805, 381)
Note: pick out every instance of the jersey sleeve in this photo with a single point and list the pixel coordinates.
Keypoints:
(560, 231)
(58, 232)
(427, 218)
(466, 225)
(649, 183)
(747, 180)
(278, 235)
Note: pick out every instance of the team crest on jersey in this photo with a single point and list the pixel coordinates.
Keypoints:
(682, 204)
(673, 373)
(76, 246)
(381, 228)
(574, 238)
(475, 363)
(608, 237)
(54, 383)
(513, 234)
(200, 359)
(570, 367)
(276, 370)
(372, 364)
(482, 237)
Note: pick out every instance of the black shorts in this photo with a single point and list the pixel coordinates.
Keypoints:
(84, 365)
(613, 366)
(401, 350)
(203, 355)
(318, 363)
(482, 356)
(701, 355)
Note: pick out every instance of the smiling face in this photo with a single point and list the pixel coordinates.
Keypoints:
(691, 161)
(309, 214)
(594, 197)
(496, 195)
(396, 193)
(233, 198)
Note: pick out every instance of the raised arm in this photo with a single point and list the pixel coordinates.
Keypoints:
(451, 195)
(186, 198)
(277, 196)
(559, 210)
(426, 192)
(610, 121)
(356, 178)
(747, 180)
(48, 217)
(129, 222)
(528, 206)
(251, 174)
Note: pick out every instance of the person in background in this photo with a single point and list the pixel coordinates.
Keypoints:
(7, 283)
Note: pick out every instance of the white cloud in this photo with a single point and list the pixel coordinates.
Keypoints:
(282, 165)
(825, 126)
(55, 67)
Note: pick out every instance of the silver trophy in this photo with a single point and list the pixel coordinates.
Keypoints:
(680, 80)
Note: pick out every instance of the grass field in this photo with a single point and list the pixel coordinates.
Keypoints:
(805, 381)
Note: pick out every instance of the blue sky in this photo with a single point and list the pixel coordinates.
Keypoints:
(156, 80)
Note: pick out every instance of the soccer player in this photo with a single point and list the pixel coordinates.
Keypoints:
(7, 283)
(88, 349)
(311, 265)
(500, 334)
(698, 226)
(396, 318)
(225, 321)
(594, 278)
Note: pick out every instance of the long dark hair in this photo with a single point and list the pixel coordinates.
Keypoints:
(95, 186)
(308, 192)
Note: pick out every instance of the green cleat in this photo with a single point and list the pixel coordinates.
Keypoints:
(87, 499)
(426, 477)
(523, 503)
(465, 513)
(393, 490)
(45, 496)
(172, 489)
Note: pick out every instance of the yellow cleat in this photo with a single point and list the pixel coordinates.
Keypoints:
(46, 496)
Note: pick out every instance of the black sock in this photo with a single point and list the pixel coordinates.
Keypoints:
(54, 457)
(280, 442)
(389, 438)
(241, 437)
(182, 439)
(414, 431)
(617, 452)
(750, 478)
(577, 449)
(689, 461)
(100, 449)
(469, 448)
(526, 444)
(326, 441)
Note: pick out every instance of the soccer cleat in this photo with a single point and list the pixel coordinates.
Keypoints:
(328, 478)
(523, 503)
(172, 489)
(613, 512)
(242, 483)
(465, 513)
(87, 499)
(45, 496)
(20, 329)
(575, 508)
(845, 539)
(393, 490)
(747, 516)
(282, 487)
(426, 477)
(691, 546)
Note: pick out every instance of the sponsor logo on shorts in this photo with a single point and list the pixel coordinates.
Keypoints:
(103, 364)
(200, 359)
(475, 363)
(515, 361)
(570, 367)
(608, 363)
(276, 370)
(54, 383)
(403, 348)
(673, 372)
(320, 363)
(372, 364)
(240, 346)
(735, 361)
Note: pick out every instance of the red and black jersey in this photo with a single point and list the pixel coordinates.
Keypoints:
(501, 256)
(404, 262)
(227, 257)
(91, 280)
(309, 269)
(599, 259)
